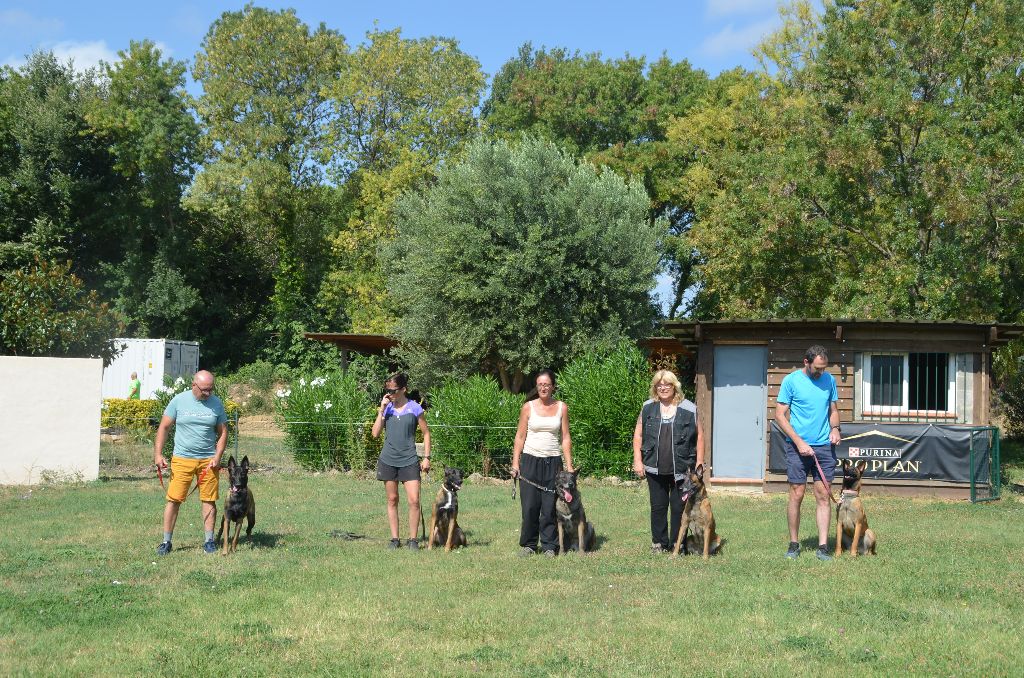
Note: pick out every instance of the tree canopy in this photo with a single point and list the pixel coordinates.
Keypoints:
(517, 258)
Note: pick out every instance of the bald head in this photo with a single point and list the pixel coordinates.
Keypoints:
(202, 384)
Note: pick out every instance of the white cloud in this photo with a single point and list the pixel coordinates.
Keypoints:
(19, 23)
(83, 55)
(730, 40)
(715, 9)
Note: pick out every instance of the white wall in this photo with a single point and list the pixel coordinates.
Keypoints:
(49, 419)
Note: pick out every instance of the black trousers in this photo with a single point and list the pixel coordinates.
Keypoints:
(538, 506)
(663, 496)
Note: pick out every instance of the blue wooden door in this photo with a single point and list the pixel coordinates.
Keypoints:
(740, 402)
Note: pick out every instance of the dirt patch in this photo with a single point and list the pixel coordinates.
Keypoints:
(259, 426)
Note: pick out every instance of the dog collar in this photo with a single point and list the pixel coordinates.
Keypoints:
(849, 493)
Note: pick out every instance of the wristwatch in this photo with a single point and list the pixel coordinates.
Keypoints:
(838, 428)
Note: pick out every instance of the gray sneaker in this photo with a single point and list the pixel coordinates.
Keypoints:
(658, 549)
(412, 544)
(822, 553)
(549, 553)
(526, 552)
(793, 553)
(394, 544)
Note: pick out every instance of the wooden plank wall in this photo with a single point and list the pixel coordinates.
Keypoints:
(786, 348)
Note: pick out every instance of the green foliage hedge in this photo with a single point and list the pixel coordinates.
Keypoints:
(604, 391)
(129, 417)
(327, 420)
(473, 424)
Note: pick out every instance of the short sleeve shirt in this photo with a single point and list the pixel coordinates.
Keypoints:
(195, 424)
(400, 434)
(134, 389)
(809, 403)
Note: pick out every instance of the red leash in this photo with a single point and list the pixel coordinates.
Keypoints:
(160, 475)
(198, 481)
(821, 474)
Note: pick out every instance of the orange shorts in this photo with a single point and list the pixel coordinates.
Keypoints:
(184, 471)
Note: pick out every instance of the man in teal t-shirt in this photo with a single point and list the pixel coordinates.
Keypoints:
(134, 387)
(200, 435)
(807, 413)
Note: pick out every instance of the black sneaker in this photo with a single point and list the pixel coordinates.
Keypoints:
(822, 553)
(209, 546)
(412, 544)
(794, 552)
(164, 548)
(394, 544)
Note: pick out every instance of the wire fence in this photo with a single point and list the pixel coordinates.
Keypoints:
(332, 444)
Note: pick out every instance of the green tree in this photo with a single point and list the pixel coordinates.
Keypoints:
(264, 114)
(402, 106)
(875, 173)
(616, 113)
(47, 312)
(517, 259)
(141, 111)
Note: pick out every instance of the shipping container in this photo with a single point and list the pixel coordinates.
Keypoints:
(152, 360)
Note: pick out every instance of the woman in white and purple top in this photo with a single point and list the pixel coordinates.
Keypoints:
(399, 417)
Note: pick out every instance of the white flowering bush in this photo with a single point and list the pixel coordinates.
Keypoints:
(327, 419)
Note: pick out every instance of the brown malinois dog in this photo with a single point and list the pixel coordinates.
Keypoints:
(444, 525)
(852, 531)
(696, 516)
(239, 504)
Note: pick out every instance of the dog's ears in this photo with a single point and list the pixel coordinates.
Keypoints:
(861, 465)
(245, 462)
(846, 463)
(699, 471)
(231, 462)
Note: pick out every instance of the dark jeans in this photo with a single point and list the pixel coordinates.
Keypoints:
(538, 506)
(664, 495)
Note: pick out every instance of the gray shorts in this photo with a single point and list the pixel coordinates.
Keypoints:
(798, 467)
(400, 473)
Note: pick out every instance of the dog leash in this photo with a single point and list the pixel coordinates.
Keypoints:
(160, 475)
(199, 481)
(515, 481)
(828, 485)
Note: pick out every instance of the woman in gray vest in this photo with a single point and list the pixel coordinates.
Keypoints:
(667, 441)
(399, 417)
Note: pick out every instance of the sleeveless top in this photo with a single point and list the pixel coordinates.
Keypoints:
(544, 434)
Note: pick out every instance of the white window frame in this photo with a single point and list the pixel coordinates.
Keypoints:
(904, 407)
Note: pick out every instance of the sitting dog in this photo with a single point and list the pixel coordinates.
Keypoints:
(696, 515)
(851, 520)
(239, 504)
(444, 524)
(570, 516)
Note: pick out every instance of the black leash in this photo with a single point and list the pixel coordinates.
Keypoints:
(526, 480)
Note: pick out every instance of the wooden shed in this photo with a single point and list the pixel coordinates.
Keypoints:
(913, 397)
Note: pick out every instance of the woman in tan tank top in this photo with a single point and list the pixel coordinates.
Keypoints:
(542, 440)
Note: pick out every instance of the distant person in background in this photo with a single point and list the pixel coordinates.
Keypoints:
(134, 387)
(200, 436)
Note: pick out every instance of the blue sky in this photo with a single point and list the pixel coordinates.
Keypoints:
(714, 35)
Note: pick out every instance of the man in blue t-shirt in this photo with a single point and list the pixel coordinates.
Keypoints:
(200, 436)
(807, 413)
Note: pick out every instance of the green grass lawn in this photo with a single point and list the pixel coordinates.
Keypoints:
(82, 592)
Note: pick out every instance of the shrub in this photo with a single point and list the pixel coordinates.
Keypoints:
(327, 420)
(172, 388)
(128, 417)
(473, 424)
(605, 391)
